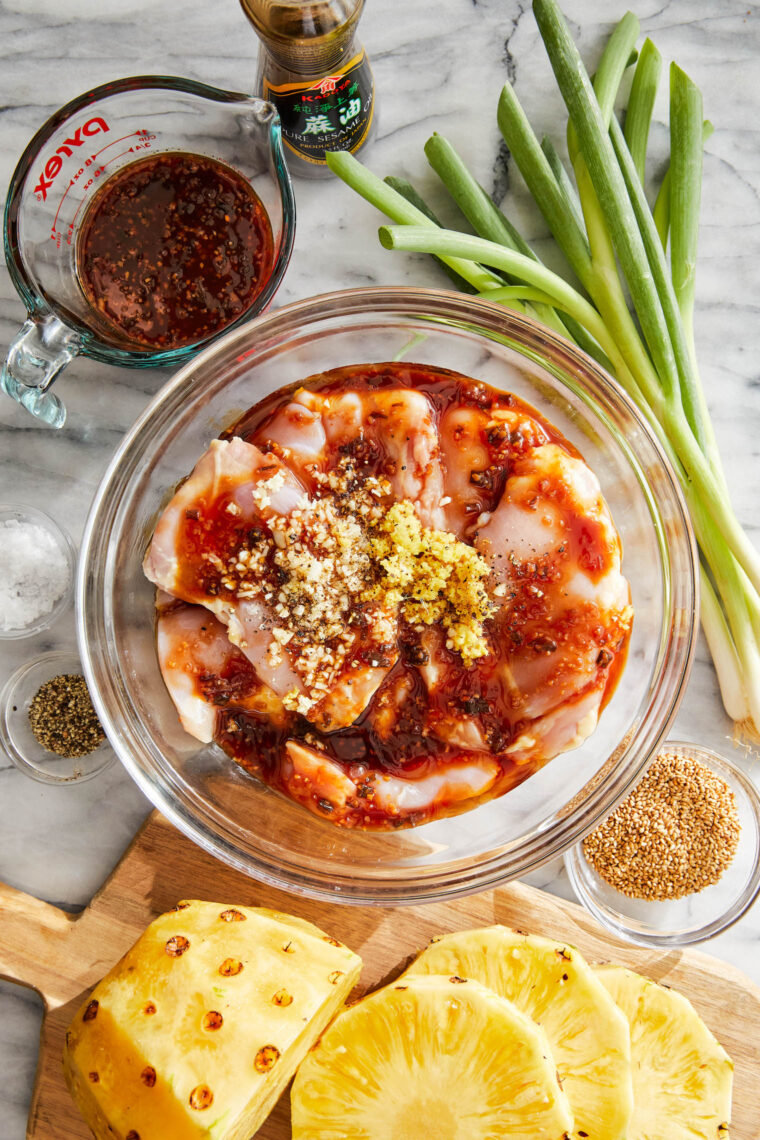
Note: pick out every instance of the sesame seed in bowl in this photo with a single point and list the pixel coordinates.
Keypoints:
(677, 861)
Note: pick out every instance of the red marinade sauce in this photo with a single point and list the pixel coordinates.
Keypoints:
(173, 248)
(480, 691)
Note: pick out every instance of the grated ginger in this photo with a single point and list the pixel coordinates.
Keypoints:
(433, 578)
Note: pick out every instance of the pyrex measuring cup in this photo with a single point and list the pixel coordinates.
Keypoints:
(67, 161)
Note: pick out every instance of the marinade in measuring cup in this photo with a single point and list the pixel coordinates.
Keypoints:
(173, 248)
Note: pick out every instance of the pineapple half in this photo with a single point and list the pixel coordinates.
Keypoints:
(553, 984)
(682, 1077)
(431, 1057)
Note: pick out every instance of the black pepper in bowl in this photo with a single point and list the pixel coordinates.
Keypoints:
(62, 718)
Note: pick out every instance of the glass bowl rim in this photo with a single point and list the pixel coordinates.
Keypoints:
(574, 860)
(596, 388)
(87, 343)
(66, 543)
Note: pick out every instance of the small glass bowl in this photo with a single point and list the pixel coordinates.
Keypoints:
(16, 734)
(26, 514)
(697, 917)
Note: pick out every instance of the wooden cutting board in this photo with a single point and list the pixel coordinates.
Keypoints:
(62, 957)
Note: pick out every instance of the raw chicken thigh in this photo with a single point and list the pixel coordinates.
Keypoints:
(204, 671)
(206, 550)
(390, 593)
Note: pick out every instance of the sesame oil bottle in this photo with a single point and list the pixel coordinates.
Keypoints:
(316, 73)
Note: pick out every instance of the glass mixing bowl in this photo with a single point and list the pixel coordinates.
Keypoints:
(215, 802)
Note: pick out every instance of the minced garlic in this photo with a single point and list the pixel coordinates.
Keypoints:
(337, 571)
(324, 562)
(433, 577)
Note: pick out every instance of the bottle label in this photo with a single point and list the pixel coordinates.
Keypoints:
(333, 113)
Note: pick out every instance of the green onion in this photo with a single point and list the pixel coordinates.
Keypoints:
(396, 207)
(616, 245)
(450, 244)
(661, 211)
(685, 185)
(563, 180)
(591, 127)
(638, 115)
(535, 169)
(489, 222)
(616, 58)
(406, 190)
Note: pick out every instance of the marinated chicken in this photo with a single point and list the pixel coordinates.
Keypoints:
(390, 592)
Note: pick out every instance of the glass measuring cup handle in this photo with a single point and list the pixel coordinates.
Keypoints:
(41, 349)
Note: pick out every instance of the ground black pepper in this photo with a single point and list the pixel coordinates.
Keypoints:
(62, 718)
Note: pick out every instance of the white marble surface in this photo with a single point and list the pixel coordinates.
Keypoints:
(437, 66)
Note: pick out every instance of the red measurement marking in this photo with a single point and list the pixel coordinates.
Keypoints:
(134, 134)
(73, 220)
(121, 154)
(100, 169)
(55, 219)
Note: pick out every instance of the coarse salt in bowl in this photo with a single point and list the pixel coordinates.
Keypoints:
(37, 562)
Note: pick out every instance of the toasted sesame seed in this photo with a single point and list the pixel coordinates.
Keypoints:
(675, 834)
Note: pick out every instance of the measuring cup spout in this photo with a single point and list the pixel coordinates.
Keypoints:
(40, 351)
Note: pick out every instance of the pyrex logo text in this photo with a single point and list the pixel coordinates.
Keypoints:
(54, 163)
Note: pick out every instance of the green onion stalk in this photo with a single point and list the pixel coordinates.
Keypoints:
(626, 302)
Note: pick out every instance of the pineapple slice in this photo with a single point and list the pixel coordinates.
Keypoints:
(681, 1076)
(552, 983)
(436, 1056)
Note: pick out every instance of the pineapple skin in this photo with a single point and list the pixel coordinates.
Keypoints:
(551, 982)
(212, 999)
(441, 1056)
(683, 1076)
